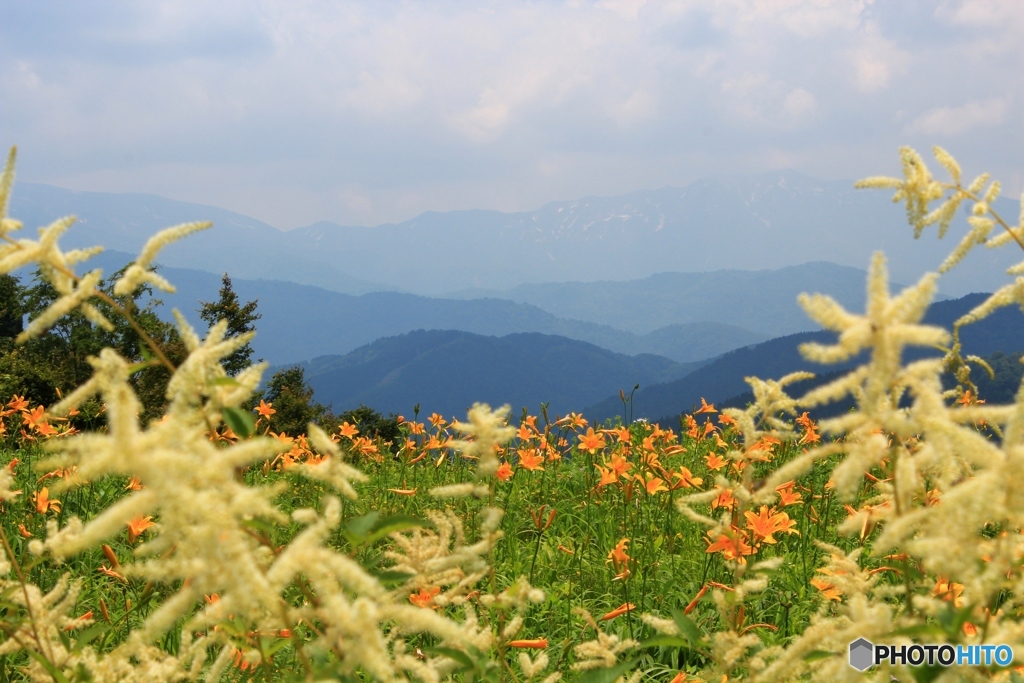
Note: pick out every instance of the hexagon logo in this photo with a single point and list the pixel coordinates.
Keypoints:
(862, 654)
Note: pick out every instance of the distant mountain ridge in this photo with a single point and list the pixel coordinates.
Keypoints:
(774, 219)
(722, 378)
(242, 245)
(748, 222)
(301, 322)
(761, 300)
(446, 371)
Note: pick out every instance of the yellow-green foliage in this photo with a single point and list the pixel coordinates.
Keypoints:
(931, 548)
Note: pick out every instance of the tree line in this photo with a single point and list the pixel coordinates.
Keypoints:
(42, 368)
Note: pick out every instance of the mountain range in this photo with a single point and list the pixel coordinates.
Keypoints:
(747, 222)
(300, 322)
(722, 379)
(761, 300)
(446, 371)
(753, 222)
(684, 317)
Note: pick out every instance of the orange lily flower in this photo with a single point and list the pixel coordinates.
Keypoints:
(618, 611)
(685, 479)
(725, 500)
(137, 526)
(111, 573)
(619, 465)
(715, 461)
(652, 484)
(44, 503)
(705, 407)
(787, 496)
(265, 409)
(133, 484)
(696, 599)
(732, 544)
(425, 598)
(504, 472)
(35, 416)
(347, 430)
(536, 643)
(76, 623)
(828, 589)
(948, 591)
(17, 403)
(608, 476)
(591, 441)
(574, 420)
(618, 557)
(766, 523)
(529, 460)
(403, 492)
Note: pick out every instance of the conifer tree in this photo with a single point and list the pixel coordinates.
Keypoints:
(240, 320)
(11, 306)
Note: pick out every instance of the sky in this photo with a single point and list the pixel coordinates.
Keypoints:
(368, 112)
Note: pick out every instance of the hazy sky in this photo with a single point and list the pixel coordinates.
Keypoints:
(367, 112)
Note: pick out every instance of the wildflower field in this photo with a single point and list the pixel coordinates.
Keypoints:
(754, 544)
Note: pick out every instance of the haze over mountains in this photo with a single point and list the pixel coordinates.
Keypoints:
(723, 378)
(760, 300)
(512, 313)
(447, 371)
(768, 220)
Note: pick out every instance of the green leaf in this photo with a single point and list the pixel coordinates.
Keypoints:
(360, 526)
(689, 630)
(57, 674)
(815, 655)
(392, 524)
(391, 576)
(271, 645)
(451, 653)
(138, 367)
(926, 674)
(918, 630)
(241, 422)
(607, 675)
(259, 525)
(90, 634)
(666, 641)
(953, 620)
(370, 528)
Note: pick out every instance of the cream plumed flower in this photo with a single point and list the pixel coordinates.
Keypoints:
(140, 272)
(887, 326)
(488, 429)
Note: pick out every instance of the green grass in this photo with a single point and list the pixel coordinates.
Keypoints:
(569, 559)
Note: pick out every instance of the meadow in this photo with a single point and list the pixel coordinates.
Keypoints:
(589, 516)
(737, 544)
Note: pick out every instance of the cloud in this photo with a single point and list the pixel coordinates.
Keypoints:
(799, 103)
(957, 120)
(361, 111)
